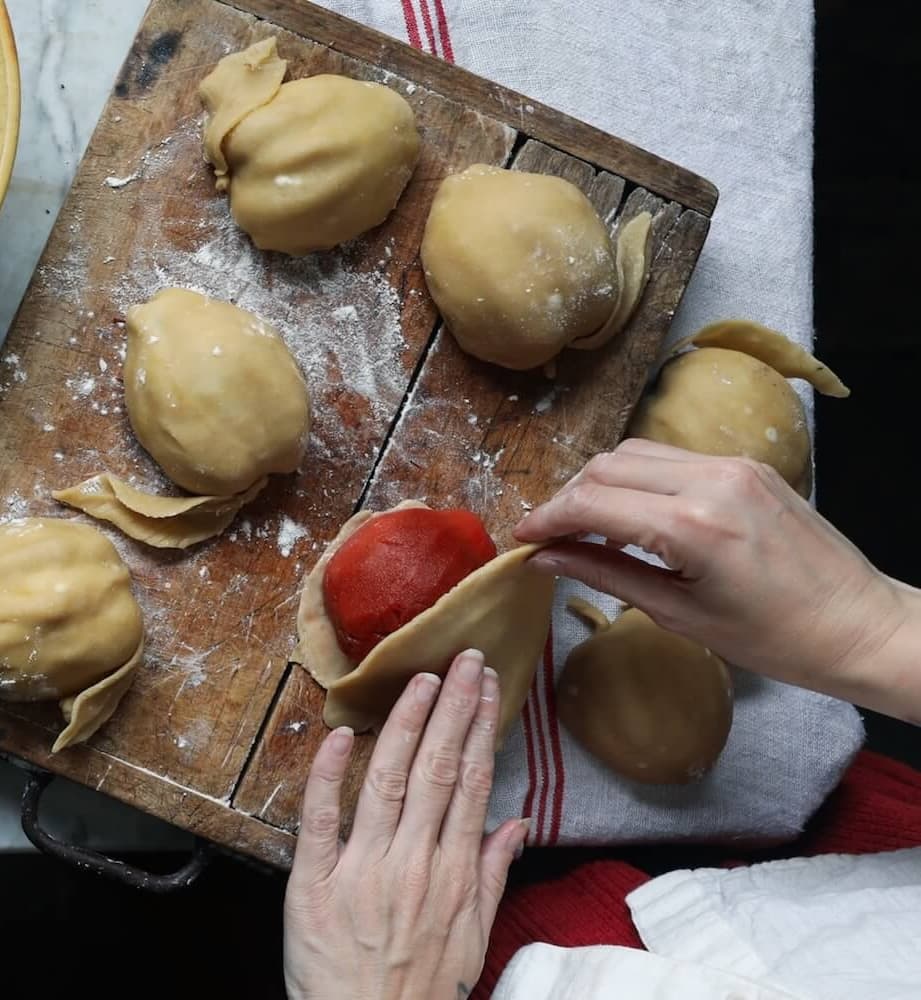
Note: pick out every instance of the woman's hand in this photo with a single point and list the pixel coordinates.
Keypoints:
(405, 907)
(754, 573)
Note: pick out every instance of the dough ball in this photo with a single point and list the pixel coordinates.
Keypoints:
(520, 265)
(67, 614)
(650, 705)
(318, 162)
(723, 402)
(213, 393)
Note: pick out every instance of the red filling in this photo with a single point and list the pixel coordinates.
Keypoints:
(395, 567)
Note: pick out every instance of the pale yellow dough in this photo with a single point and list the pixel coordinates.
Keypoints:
(733, 399)
(521, 266)
(70, 628)
(503, 609)
(310, 163)
(240, 83)
(633, 260)
(649, 704)
(214, 395)
(774, 349)
(163, 522)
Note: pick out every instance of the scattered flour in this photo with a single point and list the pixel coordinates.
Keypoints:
(16, 506)
(289, 534)
(11, 371)
(116, 183)
(82, 385)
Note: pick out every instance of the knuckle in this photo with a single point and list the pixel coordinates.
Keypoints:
(457, 705)
(416, 877)
(461, 887)
(321, 822)
(698, 515)
(387, 783)
(629, 446)
(325, 777)
(599, 464)
(476, 781)
(440, 770)
(741, 475)
(582, 499)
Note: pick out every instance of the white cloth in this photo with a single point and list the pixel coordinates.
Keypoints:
(724, 89)
(835, 927)
(605, 972)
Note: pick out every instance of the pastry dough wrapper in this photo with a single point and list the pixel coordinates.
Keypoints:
(503, 609)
(92, 708)
(633, 252)
(240, 83)
(782, 354)
(163, 522)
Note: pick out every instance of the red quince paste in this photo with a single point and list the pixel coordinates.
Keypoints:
(395, 567)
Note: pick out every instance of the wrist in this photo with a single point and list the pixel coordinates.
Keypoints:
(882, 668)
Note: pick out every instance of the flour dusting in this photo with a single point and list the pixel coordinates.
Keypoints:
(289, 534)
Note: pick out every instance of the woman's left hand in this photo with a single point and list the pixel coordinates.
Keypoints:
(404, 909)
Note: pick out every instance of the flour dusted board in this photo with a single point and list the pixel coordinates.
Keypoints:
(217, 731)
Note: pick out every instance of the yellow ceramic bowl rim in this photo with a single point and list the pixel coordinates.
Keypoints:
(9, 94)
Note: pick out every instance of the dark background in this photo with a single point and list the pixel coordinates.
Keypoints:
(62, 930)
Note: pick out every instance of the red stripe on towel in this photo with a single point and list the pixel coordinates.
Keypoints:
(429, 30)
(553, 728)
(446, 48)
(412, 27)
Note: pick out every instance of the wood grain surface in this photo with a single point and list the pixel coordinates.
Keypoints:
(218, 730)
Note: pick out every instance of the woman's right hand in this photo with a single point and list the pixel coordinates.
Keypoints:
(754, 573)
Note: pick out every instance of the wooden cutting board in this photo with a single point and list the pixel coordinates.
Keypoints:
(218, 730)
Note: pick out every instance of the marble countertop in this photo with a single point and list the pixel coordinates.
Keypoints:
(69, 55)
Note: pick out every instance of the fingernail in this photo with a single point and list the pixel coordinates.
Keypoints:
(524, 826)
(489, 688)
(546, 562)
(341, 740)
(470, 666)
(427, 686)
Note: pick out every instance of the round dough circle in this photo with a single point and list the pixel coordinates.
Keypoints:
(213, 393)
(67, 614)
(322, 162)
(722, 402)
(519, 264)
(651, 705)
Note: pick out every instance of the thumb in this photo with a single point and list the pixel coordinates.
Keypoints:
(498, 852)
(652, 589)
